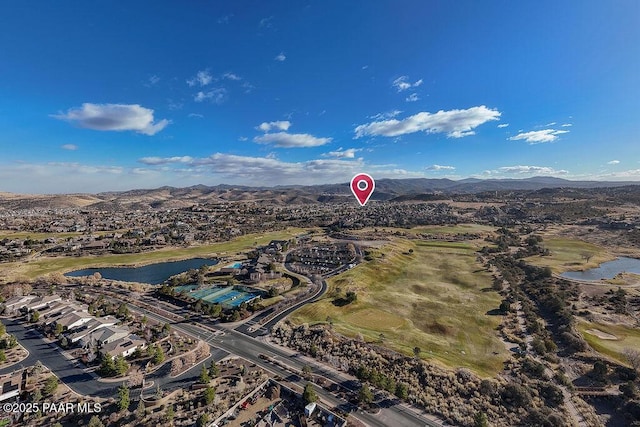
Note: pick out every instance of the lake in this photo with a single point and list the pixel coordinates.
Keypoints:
(606, 270)
(153, 274)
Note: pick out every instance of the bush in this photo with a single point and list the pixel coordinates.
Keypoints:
(516, 395)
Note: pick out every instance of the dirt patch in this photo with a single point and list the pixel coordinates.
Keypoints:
(602, 335)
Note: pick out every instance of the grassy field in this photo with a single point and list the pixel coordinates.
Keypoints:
(626, 338)
(568, 254)
(433, 229)
(455, 229)
(41, 236)
(46, 265)
(434, 298)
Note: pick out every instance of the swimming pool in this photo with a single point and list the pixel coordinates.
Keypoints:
(234, 265)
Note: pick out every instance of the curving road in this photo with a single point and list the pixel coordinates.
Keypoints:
(249, 348)
(75, 375)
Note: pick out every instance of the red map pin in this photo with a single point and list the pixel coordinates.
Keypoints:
(362, 186)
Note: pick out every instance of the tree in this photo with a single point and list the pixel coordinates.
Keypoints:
(599, 370)
(416, 352)
(3, 329)
(59, 329)
(629, 389)
(123, 311)
(140, 409)
(309, 395)
(365, 395)
(120, 365)
(402, 391)
(505, 306)
(3, 357)
(306, 371)
(480, 420)
(351, 297)
(633, 358)
(144, 319)
(166, 328)
(204, 375)
(123, 397)
(202, 420)
(95, 422)
(35, 316)
(213, 369)
(209, 395)
(107, 366)
(170, 414)
(158, 355)
(50, 385)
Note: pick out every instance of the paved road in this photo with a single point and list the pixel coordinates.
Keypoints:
(258, 330)
(69, 371)
(73, 373)
(249, 348)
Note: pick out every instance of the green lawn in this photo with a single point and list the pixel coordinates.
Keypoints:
(433, 229)
(432, 298)
(626, 338)
(568, 254)
(42, 266)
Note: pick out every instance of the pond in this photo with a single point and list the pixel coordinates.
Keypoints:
(606, 270)
(153, 274)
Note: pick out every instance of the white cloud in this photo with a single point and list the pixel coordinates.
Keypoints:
(217, 95)
(280, 57)
(248, 87)
(289, 140)
(503, 125)
(202, 78)
(196, 115)
(266, 22)
(70, 147)
(412, 98)
(385, 116)
(243, 138)
(440, 168)
(284, 139)
(165, 160)
(114, 117)
(278, 125)
(401, 83)
(526, 170)
(152, 81)
(550, 124)
(174, 105)
(539, 136)
(628, 175)
(269, 169)
(566, 125)
(225, 19)
(349, 153)
(613, 162)
(231, 76)
(455, 123)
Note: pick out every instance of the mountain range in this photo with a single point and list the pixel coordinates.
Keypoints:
(386, 189)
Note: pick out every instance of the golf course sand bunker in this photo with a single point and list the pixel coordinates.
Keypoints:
(602, 335)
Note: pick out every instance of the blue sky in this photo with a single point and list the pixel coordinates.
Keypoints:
(95, 97)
